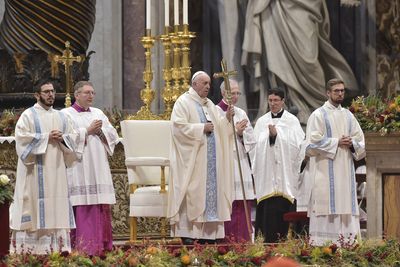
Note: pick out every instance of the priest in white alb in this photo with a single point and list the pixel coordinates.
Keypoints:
(90, 182)
(201, 183)
(41, 214)
(335, 140)
(236, 228)
(276, 166)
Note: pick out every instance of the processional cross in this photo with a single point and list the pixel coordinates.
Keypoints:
(225, 74)
(67, 59)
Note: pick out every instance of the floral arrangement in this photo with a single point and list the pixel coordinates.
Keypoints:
(8, 120)
(6, 189)
(377, 114)
(294, 252)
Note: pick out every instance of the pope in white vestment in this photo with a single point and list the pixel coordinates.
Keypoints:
(200, 186)
(41, 215)
(276, 167)
(335, 140)
(237, 228)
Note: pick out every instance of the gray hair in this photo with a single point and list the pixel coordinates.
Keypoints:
(231, 81)
(81, 84)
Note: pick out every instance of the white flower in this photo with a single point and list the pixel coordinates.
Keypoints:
(4, 179)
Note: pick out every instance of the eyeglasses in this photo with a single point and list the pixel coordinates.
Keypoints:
(88, 93)
(338, 91)
(236, 93)
(48, 92)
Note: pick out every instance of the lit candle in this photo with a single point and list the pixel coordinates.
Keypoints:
(148, 14)
(166, 13)
(185, 12)
(176, 12)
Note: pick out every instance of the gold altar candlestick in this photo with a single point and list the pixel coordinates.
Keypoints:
(176, 64)
(185, 70)
(147, 93)
(167, 94)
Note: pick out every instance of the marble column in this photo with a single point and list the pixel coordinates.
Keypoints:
(106, 64)
(1, 9)
(133, 53)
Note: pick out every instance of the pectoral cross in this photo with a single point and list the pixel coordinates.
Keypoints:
(225, 74)
(67, 59)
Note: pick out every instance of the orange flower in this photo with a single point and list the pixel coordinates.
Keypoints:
(185, 259)
(152, 250)
(327, 250)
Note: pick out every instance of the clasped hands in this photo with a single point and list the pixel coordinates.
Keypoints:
(55, 136)
(95, 128)
(345, 142)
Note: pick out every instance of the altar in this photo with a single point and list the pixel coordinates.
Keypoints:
(147, 227)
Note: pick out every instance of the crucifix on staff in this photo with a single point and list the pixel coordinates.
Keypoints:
(67, 59)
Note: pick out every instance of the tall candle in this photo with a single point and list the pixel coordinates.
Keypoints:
(148, 14)
(185, 12)
(166, 13)
(176, 12)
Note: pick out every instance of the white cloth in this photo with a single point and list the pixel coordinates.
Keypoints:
(188, 172)
(246, 143)
(276, 168)
(41, 199)
(334, 188)
(90, 180)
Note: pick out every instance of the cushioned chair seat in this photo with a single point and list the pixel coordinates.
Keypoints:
(148, 202)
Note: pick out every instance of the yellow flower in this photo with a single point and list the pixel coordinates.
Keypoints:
(4, 179)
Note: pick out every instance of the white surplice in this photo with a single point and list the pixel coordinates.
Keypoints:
(41, 213)
(333, 204)
(189, 171)
(245, 144)
(90, 180)
(276, 168)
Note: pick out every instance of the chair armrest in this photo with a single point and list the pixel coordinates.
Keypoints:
(146, 161)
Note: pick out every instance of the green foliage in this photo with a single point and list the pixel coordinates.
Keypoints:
(376, 114)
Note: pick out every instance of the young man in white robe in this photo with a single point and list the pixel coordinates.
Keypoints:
(200, 181)
(236, 229)
(335, 140)
(41, 214)
(276, 167)
(90, 182)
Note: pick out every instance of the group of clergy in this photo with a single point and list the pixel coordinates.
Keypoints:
(64, 188)
(215, 186)
(215, 183)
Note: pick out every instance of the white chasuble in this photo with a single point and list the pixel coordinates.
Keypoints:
(334, 186)
(201, 183)
(276, 167)
(90, 180)
(245, 144)
(41, 206)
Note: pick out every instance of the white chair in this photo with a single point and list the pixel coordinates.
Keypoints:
(147, 146)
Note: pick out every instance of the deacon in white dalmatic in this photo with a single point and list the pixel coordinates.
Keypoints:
(41, 214)
(335, 139)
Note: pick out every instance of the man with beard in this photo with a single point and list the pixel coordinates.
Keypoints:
(334, 138)
(90, 181)
(41, 214)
